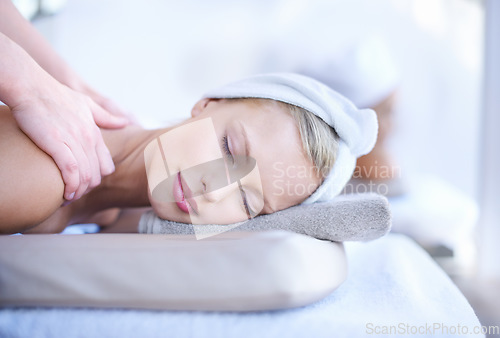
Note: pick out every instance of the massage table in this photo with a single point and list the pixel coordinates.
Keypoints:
(391, 284)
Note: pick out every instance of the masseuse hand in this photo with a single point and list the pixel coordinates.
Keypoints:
(59, 120)
(75, 82)
(35, 83)
(64, 124)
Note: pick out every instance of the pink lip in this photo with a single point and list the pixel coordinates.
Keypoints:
(182, 196)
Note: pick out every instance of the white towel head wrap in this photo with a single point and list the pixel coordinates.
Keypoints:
(357, 128)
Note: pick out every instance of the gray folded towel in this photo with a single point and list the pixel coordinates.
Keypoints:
(354, 217)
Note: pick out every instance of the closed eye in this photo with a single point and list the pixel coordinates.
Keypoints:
(248, 209)
(225, 147)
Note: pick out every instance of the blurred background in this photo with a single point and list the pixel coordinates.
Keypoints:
(156, 58)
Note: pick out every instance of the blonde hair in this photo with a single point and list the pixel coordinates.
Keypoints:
(319, 140)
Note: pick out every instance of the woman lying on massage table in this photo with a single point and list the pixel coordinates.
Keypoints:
(252, 147)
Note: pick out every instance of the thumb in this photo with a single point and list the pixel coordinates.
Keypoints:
(105, 119)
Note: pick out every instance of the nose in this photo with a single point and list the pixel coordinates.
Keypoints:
(214, 191)
(218, 179)
(222, 193)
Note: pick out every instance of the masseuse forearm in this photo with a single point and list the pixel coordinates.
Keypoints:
(20, 74)
(19, 30)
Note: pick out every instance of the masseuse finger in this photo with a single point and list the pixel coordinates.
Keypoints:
(105, 160)
(67, 163)
(104, 119)
(92, 156)
(85, 170)
(104, 157)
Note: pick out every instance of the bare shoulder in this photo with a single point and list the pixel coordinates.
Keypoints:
(31, 186)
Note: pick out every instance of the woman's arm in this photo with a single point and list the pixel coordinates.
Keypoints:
(22, 32)
(31, 186)
(19, 30)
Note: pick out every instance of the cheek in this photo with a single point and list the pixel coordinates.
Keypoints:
(291, 184)
(223, 206)
(190, 144)
(166, 210)
(161, 209)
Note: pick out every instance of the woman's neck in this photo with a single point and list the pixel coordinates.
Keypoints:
(127, 187)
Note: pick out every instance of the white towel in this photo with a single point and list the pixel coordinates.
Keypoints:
(357, 128)
(353, 217)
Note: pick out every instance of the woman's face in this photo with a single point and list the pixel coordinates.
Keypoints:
(233, 160)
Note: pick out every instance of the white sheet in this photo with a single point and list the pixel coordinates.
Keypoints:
(392, 281)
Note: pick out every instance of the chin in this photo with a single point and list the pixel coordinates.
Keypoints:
(170, 212)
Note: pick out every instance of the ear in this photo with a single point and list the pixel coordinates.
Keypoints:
(200, 106)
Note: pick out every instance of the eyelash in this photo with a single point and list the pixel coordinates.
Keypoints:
(225, 146)
(244, 197)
